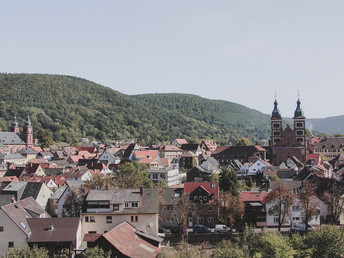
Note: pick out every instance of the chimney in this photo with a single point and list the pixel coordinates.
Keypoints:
(141, 190)
(51, 227)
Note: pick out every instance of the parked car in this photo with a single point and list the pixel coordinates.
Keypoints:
(300, 228)
(177, 230)
(221, 228)
(200, 229)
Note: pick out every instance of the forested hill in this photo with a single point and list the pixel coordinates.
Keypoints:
(72, 108)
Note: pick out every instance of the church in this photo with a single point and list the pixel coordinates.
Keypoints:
(11, 142)
(288, 142)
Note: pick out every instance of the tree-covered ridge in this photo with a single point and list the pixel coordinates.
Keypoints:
(239, 120)
(72, 108)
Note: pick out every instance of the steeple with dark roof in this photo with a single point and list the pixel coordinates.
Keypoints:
(15, 127)
(28, 121)
(276, 113)
(298, 112)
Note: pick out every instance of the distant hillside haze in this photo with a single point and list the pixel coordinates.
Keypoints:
(73, 108)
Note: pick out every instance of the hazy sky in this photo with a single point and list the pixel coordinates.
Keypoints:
(240, 51)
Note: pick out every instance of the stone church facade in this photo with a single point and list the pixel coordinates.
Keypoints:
(288, 142)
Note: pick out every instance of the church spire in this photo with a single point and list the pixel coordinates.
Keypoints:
(28, 121)
(298, 112)
(15, 127)
(276, 113)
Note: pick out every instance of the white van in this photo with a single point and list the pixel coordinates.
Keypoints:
(221, 229)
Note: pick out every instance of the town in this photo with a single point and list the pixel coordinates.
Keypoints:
(144, 201)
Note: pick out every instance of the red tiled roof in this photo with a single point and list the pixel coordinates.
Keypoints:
(146, 154)
(253, 196)
(91, 237)
(181, 141)
(189, 187)
(125, 240)
(259, 148)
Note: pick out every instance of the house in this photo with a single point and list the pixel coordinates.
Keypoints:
(16, 159)
(296, 212)
(170, 152)
(179, 142)
(170, 212)
(124, 240)
(105, 209)
(329, 147)
(34, 169)
(55, 234)
(195, 148)
(146, 154)
(207, 168)
(242, 153)
(74, 188)
(21, 190)
(14, 228)
(129, 151)
(29, 153)
(171, 176)
(18, 172)
(78, 173)
(255, 212)
(110, 156)
(203, 195)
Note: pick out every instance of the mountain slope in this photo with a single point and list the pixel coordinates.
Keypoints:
(73, 108)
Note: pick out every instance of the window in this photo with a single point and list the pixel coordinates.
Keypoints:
(195, 197)
(199, 209)
(210, 209)
(205, 197)
(1, 228)
(92, 219)
(201, 220)
(299, 132)
(210, 220)
(134, 218)
(155, 176)
(299, 124)
(276, 220)
(108, 219)
(134, 204)
(116, 207)
(92, 232)
(200, 198)
(168, 208)
(276, 133)
(212, 185)
(126, 205)
(10, 244)
(86, 219)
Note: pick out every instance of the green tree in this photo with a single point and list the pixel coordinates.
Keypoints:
(231, 209)
(309, 202)
(133, 175)
(274, 244)
(243, 141)
(95, 252)
(44, 138)
(228, 181)
(282, 198)
(227, 249)
(28, 252)
(335, 200)
(326, 241)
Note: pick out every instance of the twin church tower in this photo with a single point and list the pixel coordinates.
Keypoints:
(27, 135)
(288, 142)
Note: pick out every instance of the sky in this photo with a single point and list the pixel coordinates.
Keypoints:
(245, 52)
